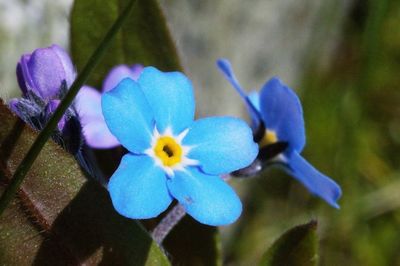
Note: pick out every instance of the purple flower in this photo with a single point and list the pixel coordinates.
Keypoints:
(44, 71)
(51, 108)
(44, 77)
(88, 105)
(278, 126)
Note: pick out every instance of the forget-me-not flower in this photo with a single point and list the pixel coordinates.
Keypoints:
(88, 105)
(278, 113)
(170, 155)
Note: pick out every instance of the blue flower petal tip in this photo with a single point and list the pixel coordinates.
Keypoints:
(225, 66)
(316, 182)
(337, 194)
(153, 119)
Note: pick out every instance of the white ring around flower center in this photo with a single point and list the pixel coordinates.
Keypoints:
(180, 164)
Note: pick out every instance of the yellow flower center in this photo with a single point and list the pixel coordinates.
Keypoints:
(268, 138)
(168, 151)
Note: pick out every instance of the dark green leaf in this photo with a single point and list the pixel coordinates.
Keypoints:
(59, 217)
(191, 243)
(297, 247)
(143, 39)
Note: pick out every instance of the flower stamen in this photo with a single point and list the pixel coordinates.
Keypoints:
(268, 138)
(168, 151)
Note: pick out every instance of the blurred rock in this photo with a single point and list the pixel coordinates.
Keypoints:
(261, 38)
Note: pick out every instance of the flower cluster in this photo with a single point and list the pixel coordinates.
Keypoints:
(170, 155)
(278, 126)
(44, 77)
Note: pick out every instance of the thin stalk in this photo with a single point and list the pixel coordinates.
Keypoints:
(168, 223)
(47, 131)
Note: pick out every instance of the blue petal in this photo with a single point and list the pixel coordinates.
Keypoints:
(253, 107)
(128, 115)
(313, 180)
(255, 113)
(138, 188)
(225, 66)
(254, 98)
(120, 72)
(281, 111)
(221, 144)
(206, 198)
(171, 97)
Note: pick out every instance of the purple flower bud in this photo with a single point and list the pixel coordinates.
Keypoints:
(44, 71)
(49, 111)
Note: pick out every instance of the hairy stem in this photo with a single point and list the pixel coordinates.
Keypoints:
(168, 223)
(47, 131)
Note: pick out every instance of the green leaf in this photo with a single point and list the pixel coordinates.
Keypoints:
(144, 37)
(297, 247)
(59, 217)
(43, 136)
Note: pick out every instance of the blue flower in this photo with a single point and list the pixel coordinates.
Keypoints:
(170, 155)
(277, 114)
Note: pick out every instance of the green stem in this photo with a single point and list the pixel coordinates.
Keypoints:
(44, 135)
(371, 43)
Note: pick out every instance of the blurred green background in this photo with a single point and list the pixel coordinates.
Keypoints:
(351, 107)
(342, 57)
